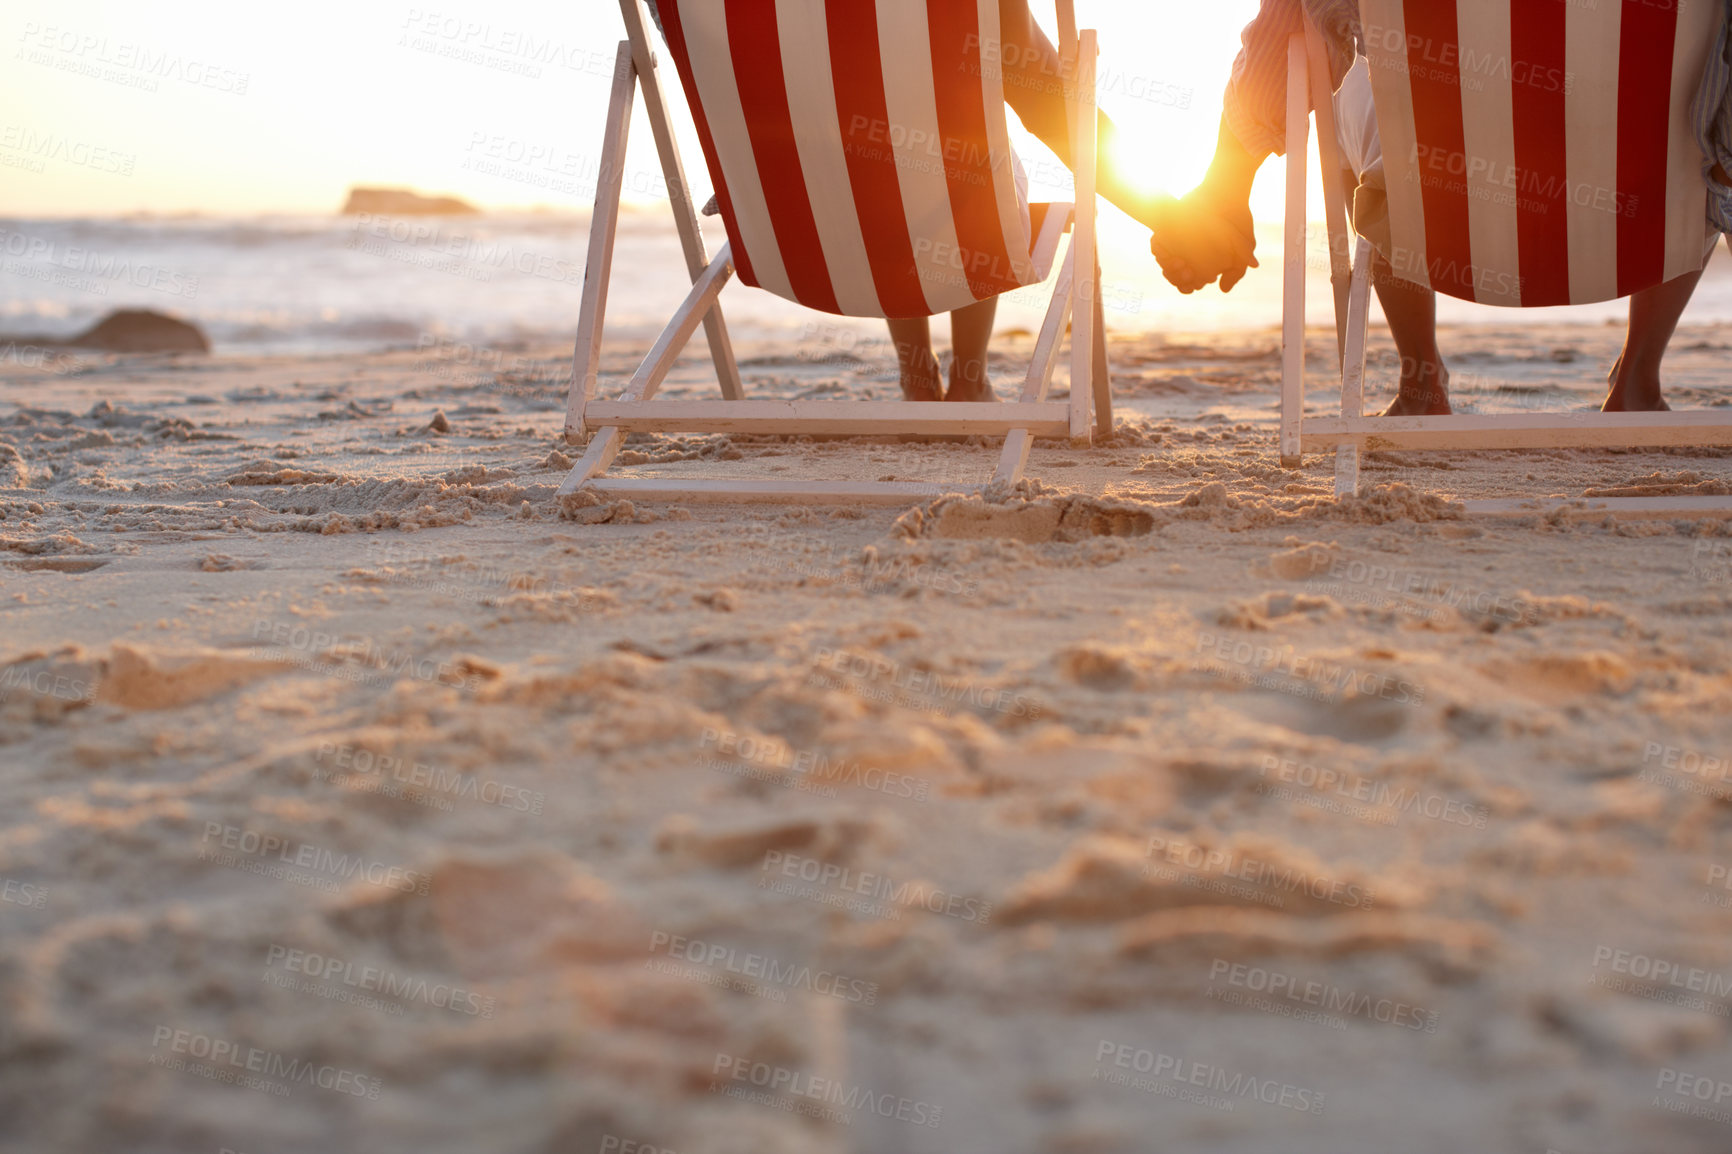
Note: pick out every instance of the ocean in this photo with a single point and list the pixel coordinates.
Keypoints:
(280, 284)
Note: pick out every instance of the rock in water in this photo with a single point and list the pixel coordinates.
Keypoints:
(403, 202)
(141, 331)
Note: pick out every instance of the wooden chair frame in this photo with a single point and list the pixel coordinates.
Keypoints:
(1352, 432)
(1076, 300)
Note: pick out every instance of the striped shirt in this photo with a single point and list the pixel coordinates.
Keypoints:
(1256, 103)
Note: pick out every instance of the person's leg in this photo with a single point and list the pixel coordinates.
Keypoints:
(1412, 315)
(1654, 313)
(921, 380)
(1410, 309)
(970, 332)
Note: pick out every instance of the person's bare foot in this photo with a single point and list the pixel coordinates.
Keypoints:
(923, 381)
(1424, 394)
(1636, 393)
(1418, 405)
(976, 388)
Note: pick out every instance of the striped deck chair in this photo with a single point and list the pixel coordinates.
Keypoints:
(862, 167)
(1535, 154)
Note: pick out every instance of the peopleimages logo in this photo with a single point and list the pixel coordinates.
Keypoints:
(368, 979)
(374, 768)
(1719, 877)
(614, 1144)
(1393, 800)
(38, 357)
(273, 854)
(891, 575)
(743, 753)
(1184, 1078)
(1198, 859)
(1663, 971)
(1690, 761)
(744, 1073)
(1318, 676)
(329, 653)
(134, 65)
(1452, 63)
(44, 146)
(762, 967)
(468, 248)
(42, 683)
(1684, 1093)
(500, 45)
(1425, 588)
(51, 258)
(23, 894)
(875, 888)
(227, 1061)
(877, 670)
(1326, 998)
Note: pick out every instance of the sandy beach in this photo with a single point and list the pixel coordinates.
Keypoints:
(358, 794)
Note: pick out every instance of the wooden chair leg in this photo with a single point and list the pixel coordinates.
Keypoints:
(603, 226)
(1101, 372)
(1293, 295)
(604, 446)
(1083, 312)
(679, 192)
(1017, 443)
(1334, 194)
(1353, 367)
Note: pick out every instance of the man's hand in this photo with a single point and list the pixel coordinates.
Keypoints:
(1205, 236)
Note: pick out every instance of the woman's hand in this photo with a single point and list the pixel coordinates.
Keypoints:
(1205, 236)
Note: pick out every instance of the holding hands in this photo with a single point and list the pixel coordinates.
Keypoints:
(1205, 236)
(1208, 235)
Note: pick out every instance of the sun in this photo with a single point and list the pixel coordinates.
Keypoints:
(1142, 167)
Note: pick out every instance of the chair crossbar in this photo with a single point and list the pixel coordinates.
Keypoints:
(856, 418)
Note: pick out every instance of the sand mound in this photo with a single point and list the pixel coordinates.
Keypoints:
(54, 543)
(1214, 503)
(1097, 667)
(658, 449)
(1110, 879)
(1211, 496)
(1259, 611)
(1301, 562)
(831, 839)
(532, 911)
(586, 508)
(1680, 484)
(145, 679)
(269, 473)
(1027, 518)
(14, 474)
(1455, 948)
(44, 687)
(1562, 677)
(563, 606)
(1395, 501)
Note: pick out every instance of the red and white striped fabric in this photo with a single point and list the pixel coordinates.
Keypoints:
(1541, 152)
(858, 148)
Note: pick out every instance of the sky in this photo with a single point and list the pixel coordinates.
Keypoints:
(194, 106)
